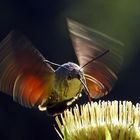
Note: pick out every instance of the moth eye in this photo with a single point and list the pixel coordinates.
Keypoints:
(69, 77)
(78, 76)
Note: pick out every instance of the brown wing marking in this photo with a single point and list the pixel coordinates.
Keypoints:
(23, 73)
(102, 73)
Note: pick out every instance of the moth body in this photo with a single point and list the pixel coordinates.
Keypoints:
(30, 79)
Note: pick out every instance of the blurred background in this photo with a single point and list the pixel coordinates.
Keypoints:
(44, 22)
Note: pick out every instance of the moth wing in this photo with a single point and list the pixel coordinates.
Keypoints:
(23, 73)
(101, 74)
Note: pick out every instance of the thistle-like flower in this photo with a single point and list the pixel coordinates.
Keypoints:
(103, 120)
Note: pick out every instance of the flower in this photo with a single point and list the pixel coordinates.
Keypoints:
(103, 120)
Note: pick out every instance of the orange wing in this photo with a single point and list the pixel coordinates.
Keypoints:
(23, 73)
(100, 74)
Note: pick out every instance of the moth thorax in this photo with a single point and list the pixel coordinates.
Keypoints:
(67, 82)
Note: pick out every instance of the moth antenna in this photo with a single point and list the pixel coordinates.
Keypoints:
(97, 57)
(55, 64)
(86, 89)
(52, 63)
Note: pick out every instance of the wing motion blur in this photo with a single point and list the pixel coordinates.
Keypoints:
(23, 73)
(100, 74)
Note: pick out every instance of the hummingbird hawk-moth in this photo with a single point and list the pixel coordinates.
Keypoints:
(32, 82)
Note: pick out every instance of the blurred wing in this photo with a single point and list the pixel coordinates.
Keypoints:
(23, 73)
(100, 74)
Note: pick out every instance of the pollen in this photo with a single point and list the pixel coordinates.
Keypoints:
(103, 120)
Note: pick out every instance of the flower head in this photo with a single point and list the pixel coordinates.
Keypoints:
(103, 120)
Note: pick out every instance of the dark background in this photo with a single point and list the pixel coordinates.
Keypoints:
(44, 22)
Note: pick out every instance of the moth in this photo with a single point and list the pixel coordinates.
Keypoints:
(31, 81)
